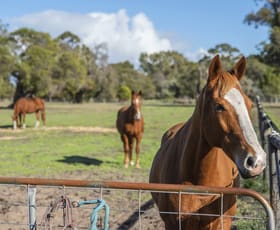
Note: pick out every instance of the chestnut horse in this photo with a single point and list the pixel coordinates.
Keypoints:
(26, 105)
(130, 124)
(209, 149)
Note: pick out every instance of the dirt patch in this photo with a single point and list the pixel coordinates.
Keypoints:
(95, 129)
(77, 129)
(124, 212)
(10, 138)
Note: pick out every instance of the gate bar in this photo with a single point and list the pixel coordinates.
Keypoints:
(145, 186)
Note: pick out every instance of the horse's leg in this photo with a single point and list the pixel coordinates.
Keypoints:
(126, 150)
(15, 121)
(138, 144)
(37, 119)
(131, 143)
(22, 120)
(43, 116)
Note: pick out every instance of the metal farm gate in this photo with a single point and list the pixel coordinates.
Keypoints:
(270, 138)
(34, 203)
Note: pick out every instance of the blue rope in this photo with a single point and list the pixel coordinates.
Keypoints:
(100, 204)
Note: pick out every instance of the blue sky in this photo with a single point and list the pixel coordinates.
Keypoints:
(130, 27)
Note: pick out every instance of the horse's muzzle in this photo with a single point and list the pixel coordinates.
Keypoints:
(253, 166)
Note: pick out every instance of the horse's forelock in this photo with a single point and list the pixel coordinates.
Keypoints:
(223, 83)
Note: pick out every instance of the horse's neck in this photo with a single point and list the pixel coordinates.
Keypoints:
(195, 148)
(131, 113)
(202, 164)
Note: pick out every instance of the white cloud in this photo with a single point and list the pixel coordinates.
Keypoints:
(196, 55)
(126, 37)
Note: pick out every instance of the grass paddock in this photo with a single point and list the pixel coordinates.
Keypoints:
(81, 138)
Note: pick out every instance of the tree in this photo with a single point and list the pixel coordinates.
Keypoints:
(168, 69)
(268, 15)
(255, 76)
(71, 40)
(73, 77)
(228, 54)
(6, 63)
(70, 76)
(35, 58)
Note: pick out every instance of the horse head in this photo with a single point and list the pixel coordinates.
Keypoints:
(225, 117)
(136, 104)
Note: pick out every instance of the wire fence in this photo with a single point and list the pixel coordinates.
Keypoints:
(270, 138)
(130, 204)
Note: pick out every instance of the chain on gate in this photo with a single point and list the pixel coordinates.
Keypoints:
(63, 203)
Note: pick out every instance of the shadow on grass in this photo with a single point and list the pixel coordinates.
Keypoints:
(6, 126)
(80, 160)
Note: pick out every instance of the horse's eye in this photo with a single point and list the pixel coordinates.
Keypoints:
(219, 108)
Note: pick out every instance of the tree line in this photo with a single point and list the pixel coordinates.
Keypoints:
(65, 69)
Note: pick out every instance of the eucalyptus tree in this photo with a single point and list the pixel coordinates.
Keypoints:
(6, 63)
(35, 56)
(168, 69)
(76, 69)
(70, 72)
(268, 15)
(228, 54)
(135, 80)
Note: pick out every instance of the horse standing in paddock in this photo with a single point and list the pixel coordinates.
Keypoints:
(26, 105)
(130, 124)
(209, 149)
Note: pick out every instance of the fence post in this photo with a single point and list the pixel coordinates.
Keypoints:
(263, 128)
(270, 138)
(32, 207)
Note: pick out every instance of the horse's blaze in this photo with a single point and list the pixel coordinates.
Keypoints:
(253, 162)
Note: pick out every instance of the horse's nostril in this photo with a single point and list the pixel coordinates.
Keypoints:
(251, 161)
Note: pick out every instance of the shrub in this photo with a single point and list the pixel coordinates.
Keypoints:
(123, 93)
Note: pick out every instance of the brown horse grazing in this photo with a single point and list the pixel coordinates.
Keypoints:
(209, 149)
(26, 105)
(130, 124)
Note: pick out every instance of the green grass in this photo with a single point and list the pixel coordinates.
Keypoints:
(53, 153)
(47, 153)
(274, 114)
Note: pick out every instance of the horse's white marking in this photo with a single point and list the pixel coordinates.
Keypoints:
(24, 126)
(15, 124)
(37, 124)
(235, 98)
(138, 115)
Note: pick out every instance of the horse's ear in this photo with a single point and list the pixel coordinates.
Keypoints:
(140, 92)
(215, 68)
(132, 92)
(239, 68)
